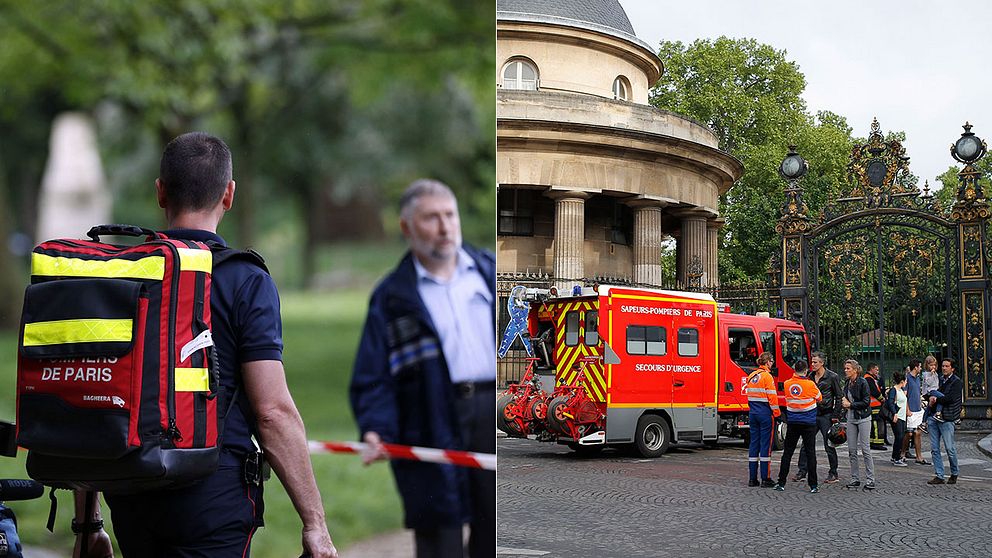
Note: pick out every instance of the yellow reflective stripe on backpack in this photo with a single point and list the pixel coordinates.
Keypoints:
(59, 332)
(191, 259)
(151, 267)
(192, 379)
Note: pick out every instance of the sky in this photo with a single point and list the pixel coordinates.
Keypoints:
(919, 67)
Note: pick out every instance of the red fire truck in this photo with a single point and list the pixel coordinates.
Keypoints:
(621, 365)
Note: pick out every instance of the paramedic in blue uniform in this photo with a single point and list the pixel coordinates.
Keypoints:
(763, 409)
(217, 516)
(425, 374)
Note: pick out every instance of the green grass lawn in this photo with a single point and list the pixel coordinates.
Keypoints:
(321, 334)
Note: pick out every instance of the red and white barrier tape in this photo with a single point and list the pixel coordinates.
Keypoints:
(485, 461)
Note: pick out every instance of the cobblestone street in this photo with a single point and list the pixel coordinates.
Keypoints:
(694, 501)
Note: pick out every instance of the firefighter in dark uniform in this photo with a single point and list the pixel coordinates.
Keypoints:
(876, 388)
(217, 516)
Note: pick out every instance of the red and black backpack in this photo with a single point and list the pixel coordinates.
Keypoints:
(117, 376)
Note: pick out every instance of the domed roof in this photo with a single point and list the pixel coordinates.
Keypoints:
(605, 13)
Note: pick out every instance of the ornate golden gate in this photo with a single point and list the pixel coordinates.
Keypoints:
(885, 273)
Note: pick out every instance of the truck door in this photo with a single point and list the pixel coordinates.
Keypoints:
(742, 345)
(792, 347)
(687, 380)
(770, 344)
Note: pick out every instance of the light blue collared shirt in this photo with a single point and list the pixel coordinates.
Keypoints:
(462, 311)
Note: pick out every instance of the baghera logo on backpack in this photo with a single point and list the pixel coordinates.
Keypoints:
(117, 376)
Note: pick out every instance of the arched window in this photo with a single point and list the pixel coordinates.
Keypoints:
(621, 89)
(520, 74)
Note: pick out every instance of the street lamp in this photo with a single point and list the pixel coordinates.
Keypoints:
(969, 148)
(793, 167)
(795, 214)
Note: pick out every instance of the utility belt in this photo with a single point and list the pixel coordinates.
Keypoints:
(467, 390)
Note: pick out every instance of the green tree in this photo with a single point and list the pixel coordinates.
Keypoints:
(296, 89)
(750, 95)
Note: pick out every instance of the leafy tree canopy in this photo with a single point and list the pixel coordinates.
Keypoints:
(331, 99)
(750, 95)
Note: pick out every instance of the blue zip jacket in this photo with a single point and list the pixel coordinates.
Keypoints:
(401, 389)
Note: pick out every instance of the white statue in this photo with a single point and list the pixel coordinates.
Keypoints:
(74, 194)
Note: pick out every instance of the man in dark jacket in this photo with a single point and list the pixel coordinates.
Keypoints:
(425, 374)
(943, 428)
(828, 412)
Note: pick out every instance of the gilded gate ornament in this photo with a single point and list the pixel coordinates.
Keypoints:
(879, 169)
(912, 260)
(847, 263)
(974, 357)
(793, 260)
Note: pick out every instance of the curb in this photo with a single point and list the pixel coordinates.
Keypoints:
(985, 445)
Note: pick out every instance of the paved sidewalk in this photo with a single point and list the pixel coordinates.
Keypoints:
(398, 544)
(665, 507)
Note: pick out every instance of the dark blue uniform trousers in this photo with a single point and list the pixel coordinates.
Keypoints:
(213, 518)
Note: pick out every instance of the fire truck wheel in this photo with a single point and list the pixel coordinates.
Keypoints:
(502, 422)
(652, 436)
(557, 421)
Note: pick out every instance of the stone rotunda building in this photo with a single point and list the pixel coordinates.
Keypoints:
(592, 179)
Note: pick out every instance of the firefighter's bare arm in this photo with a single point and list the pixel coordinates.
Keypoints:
(89, 521)
(283, 439)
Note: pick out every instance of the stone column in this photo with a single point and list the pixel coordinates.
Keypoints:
(569, 265)
(647, 241)
(694, 255)
(712, 269)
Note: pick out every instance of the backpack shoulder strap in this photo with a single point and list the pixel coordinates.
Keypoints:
(224, 253)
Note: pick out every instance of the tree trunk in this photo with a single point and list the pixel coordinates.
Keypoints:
(11, 273)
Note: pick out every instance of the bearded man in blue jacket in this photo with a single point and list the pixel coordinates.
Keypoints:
(425, 374)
